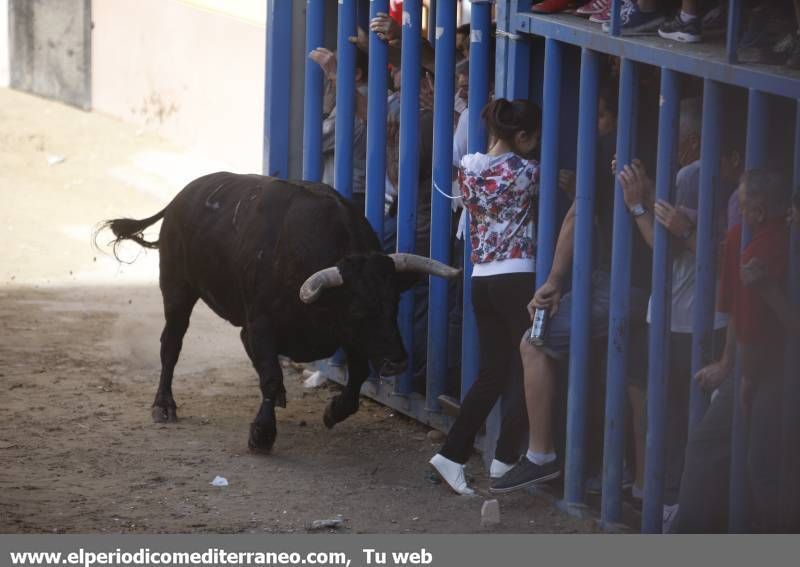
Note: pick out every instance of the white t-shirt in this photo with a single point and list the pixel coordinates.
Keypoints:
(461, 138)
(682, 311)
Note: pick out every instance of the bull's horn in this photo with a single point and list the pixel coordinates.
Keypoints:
(318, 281)
(414, 263)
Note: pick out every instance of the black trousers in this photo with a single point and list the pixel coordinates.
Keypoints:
(502, 318)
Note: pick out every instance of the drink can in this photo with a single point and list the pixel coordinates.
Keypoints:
(539, 327)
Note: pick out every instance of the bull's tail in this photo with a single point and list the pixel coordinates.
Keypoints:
(131, 229)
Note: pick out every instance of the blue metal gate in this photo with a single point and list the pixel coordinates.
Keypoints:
(554, 60)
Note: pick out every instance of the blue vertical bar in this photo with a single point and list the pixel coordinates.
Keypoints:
(276, 89)
(658, 366)
(432, 11)
(519, 57)
(548, 180)
(734, 20)
(706, 237)
(791, 380)
(409, 168)
(615, 16)
(478, 97)
(502, 46)
(756, 157)
(345, 98)
(619, 315)
(577, 395)
(376, 123)
(312, 98)
(444, 93)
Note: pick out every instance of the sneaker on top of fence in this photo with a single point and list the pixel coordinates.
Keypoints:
(686, 28)
(552, 6)
(793, 61)
(715, 21)
(593, 7)
(601, 17)
(633, 20)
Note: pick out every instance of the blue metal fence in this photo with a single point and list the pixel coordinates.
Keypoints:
(438, 302)
(522, 35)
(619, 315)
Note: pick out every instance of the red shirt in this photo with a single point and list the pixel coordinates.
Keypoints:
(396, 11)
(756, 324)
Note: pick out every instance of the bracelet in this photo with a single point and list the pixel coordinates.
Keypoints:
(687, 234)
(637, 210)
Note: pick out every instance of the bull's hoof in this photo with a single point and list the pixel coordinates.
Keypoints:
(262, 437)
(164, 414)
(327, 418)
(335, 412)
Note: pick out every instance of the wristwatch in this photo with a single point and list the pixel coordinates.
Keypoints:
(687, 234)
(638, 210)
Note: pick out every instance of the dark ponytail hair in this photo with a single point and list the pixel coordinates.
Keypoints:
(505, 118)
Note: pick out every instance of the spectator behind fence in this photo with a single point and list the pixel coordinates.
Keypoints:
(500, 192)
(752, 292)
(423, 213)
(539, 362)
(680, 221)
(607, 109)
(326, 59)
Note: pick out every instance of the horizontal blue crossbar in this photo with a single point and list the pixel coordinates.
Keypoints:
(706, 60)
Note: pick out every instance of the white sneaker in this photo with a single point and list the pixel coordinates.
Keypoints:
(668, 517)
(452, 473)
(499, 468)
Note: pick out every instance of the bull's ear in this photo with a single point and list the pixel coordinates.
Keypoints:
(407, 280)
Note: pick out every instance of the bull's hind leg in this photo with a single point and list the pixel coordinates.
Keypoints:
(259, 342)
(179, 300)
(346, 403)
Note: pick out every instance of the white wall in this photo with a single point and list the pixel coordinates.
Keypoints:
(4, 55)
(185, 69)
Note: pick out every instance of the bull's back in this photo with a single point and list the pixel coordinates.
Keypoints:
(245, 241)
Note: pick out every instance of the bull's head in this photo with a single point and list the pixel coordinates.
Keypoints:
(368, 309)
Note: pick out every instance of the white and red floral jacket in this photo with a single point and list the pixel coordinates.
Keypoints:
(501, 195)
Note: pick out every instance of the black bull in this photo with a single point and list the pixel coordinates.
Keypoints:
(293, 264)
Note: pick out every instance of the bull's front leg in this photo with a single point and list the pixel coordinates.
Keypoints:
(260, 344)
(345, 404)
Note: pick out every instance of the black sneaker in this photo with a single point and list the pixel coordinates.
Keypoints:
(715, 21)
(782, 49)
(755, 34)
(525, 473)
(678, 30)
(793, 61)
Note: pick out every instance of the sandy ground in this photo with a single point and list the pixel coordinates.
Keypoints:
(79, 365)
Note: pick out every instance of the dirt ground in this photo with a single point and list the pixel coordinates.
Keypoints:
(79, 366)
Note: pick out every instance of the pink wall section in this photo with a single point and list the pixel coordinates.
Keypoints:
(194, 76)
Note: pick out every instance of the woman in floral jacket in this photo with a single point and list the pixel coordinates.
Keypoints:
(500, 190)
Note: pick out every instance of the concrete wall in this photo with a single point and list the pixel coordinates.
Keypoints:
(49, 46)
(193, 71)
(4, 56)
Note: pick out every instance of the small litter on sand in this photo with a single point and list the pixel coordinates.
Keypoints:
(219, 481)
(336, 522)
(315, 380)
